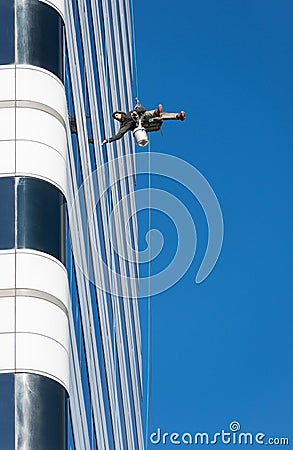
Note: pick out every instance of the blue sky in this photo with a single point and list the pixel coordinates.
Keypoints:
(222, 350)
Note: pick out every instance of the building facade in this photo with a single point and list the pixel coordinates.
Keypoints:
(71, 356)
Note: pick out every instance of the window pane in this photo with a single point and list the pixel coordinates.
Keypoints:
(40, 217)
(39, 36)
(6, 213)
(7, 411)
(6, 31)
(41, 413)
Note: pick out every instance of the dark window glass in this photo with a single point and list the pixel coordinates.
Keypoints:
(41, 413)
(40, 217)
(7, 213)
(6, 31)
(7, 411)
(39, 36)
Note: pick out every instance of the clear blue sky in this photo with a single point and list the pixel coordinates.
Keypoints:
(222, 350)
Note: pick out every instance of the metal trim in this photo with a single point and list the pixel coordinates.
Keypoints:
(35, 293)
(33, 105)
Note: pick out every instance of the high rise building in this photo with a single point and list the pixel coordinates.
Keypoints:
(70, 341)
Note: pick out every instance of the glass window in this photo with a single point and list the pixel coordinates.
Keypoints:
(39, 36)
(7, 213)
(7, 32)
(41, 411)
(40, 217)
(7, 405)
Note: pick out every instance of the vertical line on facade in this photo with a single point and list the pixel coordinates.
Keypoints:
(15, 187)
(15, 225)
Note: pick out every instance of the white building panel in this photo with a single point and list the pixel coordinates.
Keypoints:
(35, 159)
(7, 121)
(7, 269)
(37, 85)
(36, 270)
(7, 354)
(7, 157)
(40, 316)
(7, 83)
(38, 354)
(39, 126)
(7, 316)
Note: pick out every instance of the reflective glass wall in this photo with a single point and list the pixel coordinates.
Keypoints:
(39, 35)
(46, 405)
(106, 406)
(33, 216)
